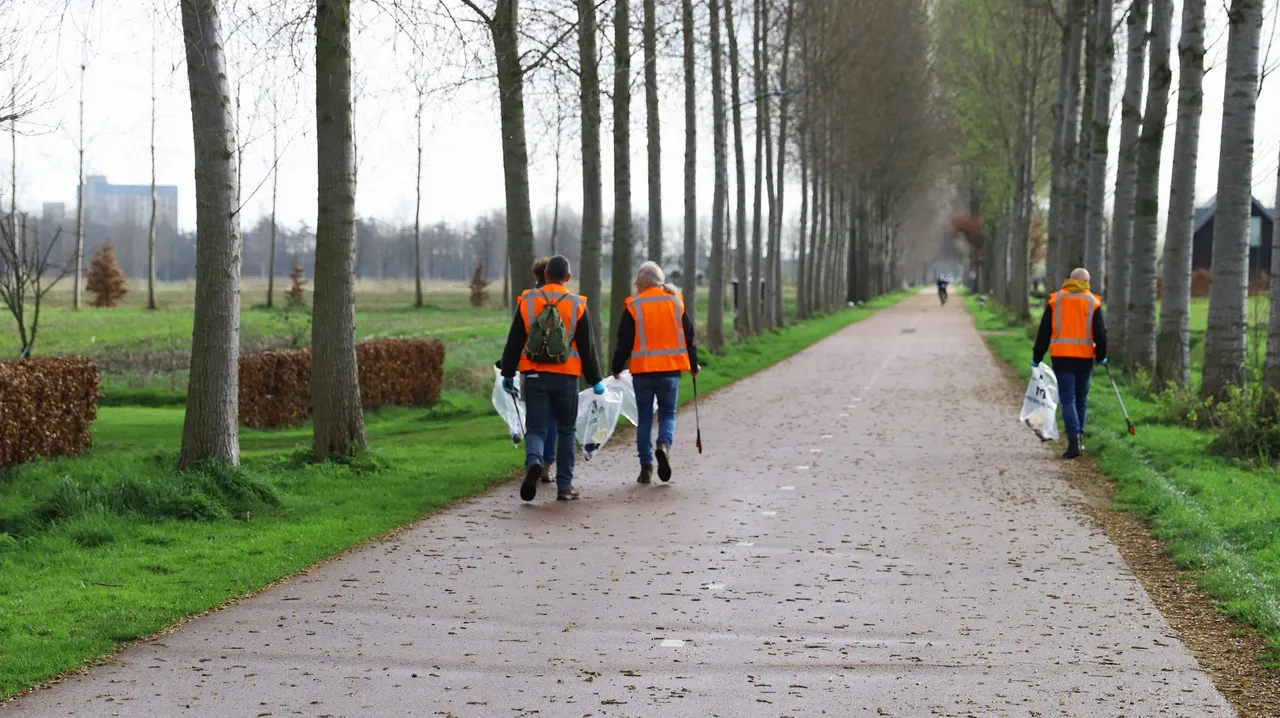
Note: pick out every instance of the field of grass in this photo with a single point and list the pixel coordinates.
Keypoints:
(1220, 516)
(116, 545)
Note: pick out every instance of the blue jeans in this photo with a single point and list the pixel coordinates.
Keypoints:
(667, 391)
(549, 447)
(552, 401)
(1073, 394)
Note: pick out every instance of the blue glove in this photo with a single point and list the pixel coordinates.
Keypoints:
(598, 388)
(1103, 362)
(509, 384)
(1034, 363)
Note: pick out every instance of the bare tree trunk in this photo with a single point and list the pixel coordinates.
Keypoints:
(555, 208)
(654, 131)
(1065, 111)
(1271, 371)
(715, 303)
(151, 229)
(335, 380)
(622, 240)
(1126, 185)
(1084, 153)
(1173, 354)
(275, 186)
(1224, 342)
(802, 311)
(590, 282)
(79, 261)
(742, 321)
(754, 300)
(515, 151)
(210, 430)
(1141, 315)
(784, 104)
(763, 114)
(1095, 217)
(417, 209)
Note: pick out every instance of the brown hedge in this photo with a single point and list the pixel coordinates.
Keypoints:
(46, 407)
(275, 386)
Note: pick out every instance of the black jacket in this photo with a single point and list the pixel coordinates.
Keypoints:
(627, 339)
(519, 335)
(1046, 334)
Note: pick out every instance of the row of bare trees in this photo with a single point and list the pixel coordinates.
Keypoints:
(986, 39)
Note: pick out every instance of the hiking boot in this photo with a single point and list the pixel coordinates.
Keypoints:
(529, 489)
(570, 495)
(1073, 447)
(546, 475)
(646, 474)
(664, 465)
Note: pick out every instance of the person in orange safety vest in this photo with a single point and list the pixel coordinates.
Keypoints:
(657, 338)
(1074, 334)
(551, 387)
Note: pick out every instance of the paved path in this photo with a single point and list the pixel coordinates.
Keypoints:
(869, 533)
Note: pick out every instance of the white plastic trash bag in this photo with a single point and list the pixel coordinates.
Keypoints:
(1040, 405)
(511, 410)
(628, 389)
(598, 417)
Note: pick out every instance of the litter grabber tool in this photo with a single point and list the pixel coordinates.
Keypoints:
(1133, 431)
(515, 400)
(697, 420)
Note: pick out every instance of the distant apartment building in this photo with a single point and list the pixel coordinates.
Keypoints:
(115, 204)
(123, 212)
(55, 213)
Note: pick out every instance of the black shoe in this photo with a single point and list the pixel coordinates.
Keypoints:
(1073, 448)
(546, 475)
(529, 489)
(646, 474)
(570, 495)
(664, 465)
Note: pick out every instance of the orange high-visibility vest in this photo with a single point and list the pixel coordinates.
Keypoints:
(1072, 335)
(659, 345)
(571, 307)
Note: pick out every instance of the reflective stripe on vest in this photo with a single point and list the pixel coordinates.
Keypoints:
(1072, 346)
(643, 351)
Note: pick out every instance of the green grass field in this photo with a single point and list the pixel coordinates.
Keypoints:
(115, 545)
(1220, 516)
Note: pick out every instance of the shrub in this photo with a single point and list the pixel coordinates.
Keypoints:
(1200, 283)
(105, 280)
(1245, 429)
(275, 386)
(46, 407)
(297, 294)
(1182, 406)
(479, 287)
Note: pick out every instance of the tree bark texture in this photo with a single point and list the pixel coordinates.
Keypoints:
(1095, 217)
(1122, 214)
(1173, 345)
(654, 131)
(335, 380)
(515, 150)
(1140, 330)
(784, 104)
(622, 241)
(1084, 152)
(1224, 341)
(1067, 110)
(742, 321)
(715, 304)
(210, 431)
(591, 276)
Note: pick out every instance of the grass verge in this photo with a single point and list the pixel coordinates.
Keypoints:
(115, 546)
(1220, 517)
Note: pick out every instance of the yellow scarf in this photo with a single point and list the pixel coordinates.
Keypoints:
(1076, 286)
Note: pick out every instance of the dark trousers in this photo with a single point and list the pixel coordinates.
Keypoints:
(548, 398)
(1073, 376)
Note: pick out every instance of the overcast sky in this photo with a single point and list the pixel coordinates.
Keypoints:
(463, 162)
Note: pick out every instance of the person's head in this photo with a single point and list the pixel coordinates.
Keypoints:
(540, 270)
(1080, 274)
(557, 270)
(650, 276)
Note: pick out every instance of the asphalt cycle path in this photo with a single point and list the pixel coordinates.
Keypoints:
(870, 532)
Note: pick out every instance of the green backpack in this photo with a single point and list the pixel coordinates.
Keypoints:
(549, 341)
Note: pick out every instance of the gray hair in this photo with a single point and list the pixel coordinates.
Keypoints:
(651, 275)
